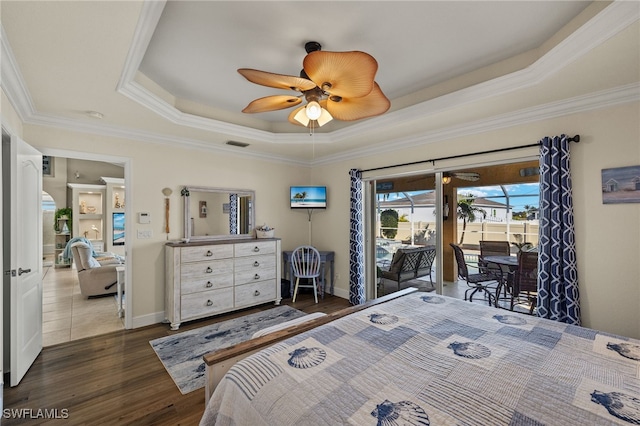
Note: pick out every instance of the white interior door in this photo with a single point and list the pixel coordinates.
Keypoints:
(26, 257)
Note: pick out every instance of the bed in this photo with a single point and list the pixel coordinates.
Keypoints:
(425, 359)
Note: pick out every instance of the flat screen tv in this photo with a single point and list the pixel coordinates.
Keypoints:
(118, 229)
(308, 197)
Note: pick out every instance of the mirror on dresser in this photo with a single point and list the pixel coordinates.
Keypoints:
(217, 213)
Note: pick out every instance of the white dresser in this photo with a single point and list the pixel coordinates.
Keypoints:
(207, 278)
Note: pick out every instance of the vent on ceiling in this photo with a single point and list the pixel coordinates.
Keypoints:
(236, 143)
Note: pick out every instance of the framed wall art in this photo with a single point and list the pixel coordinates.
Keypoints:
(621, 185)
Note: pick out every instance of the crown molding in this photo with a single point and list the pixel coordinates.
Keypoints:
(11, 80)
(593, 101)
(605, 25)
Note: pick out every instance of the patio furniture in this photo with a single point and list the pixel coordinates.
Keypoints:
(479, 282)
(410, 263)
(525, 283)
(492, 248)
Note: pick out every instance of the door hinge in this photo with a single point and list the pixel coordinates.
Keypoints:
(11, 272)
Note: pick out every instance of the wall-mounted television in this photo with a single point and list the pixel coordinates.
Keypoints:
(308, 197)
(118, 229)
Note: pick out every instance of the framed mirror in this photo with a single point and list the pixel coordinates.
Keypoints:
(217, 213)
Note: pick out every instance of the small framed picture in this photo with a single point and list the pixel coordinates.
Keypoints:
(621, 185)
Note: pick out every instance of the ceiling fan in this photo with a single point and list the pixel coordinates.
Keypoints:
(336, 85)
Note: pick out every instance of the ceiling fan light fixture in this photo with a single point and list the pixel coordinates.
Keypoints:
(301, 117)
(324, 118)
(313, 110)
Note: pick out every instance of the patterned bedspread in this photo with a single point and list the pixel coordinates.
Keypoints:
(426, 359)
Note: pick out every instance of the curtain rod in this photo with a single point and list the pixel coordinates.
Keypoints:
(575, 139)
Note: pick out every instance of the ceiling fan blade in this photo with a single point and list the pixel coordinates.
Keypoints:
(346, 74)
(272, 103)
(351, 109)
(470, 176)
(278, 81)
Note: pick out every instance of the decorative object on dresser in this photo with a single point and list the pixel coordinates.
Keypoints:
(265, 231)
(206, 278)
(181, 353)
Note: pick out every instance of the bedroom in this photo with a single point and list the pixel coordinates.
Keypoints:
(607, 236)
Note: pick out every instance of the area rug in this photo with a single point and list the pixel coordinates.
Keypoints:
(181, 353)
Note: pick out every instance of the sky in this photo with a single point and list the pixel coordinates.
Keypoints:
(520, 195)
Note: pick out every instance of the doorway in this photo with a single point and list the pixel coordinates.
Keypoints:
(67, 314)
(424, 211)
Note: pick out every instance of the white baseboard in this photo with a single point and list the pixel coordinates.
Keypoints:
(150, 319)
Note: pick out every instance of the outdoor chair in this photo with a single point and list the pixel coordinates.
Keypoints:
(492, 248)
(479, 282)
(525, 282)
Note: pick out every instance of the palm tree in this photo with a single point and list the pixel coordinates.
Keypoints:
(467, 212)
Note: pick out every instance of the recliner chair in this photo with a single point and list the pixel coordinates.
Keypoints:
(95, 278)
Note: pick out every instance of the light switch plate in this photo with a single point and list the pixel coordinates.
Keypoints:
(145, 234)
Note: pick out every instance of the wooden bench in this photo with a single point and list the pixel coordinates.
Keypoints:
(410, 263)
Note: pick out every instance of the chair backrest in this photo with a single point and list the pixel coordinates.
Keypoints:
(462, 265)
(305, 261)
(405, 260)
(527, 273)
(494, 248)
(428, 256)
(82, 256)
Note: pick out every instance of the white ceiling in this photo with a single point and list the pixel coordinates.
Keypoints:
(167, 71)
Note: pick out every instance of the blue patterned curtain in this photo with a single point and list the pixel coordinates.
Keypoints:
(233, 214)
(356, 241)
(558, 297)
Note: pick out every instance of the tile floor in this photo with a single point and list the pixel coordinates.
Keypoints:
(68, 315)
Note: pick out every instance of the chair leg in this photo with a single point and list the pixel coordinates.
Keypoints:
(295, 290)
(315, 289)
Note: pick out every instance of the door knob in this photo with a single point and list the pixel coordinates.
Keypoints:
(23, 271)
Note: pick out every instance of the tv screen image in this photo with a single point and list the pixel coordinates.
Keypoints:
(118, 229)
(308, 197)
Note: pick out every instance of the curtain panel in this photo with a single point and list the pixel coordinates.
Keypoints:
(233, 214)
(558, 296)
(357, 294)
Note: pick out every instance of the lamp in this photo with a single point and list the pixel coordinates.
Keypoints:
(446, 180)
(313, 111)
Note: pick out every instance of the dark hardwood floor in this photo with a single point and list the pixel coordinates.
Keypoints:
(117, 379)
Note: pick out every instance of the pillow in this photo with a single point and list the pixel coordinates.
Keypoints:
(93, 263)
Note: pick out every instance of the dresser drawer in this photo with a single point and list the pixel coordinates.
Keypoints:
(251, 263)
(199, 253)
(254, 275)
(215, 282)
(196, 270)
(255, 293)
(206, 303)
(255, 248)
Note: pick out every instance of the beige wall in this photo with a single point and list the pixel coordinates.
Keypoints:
(607, 236)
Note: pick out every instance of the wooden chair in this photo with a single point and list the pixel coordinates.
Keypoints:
(305, 261)
(476, 282)
(525, 282)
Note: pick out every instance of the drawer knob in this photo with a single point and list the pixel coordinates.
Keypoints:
(209, 254)
(256, 277)
(209, 303)
(209, 270)
(256, 263)
(208, 284)
(256, 249)
(256, 293)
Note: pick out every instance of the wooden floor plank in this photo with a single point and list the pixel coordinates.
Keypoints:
(117, 378)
